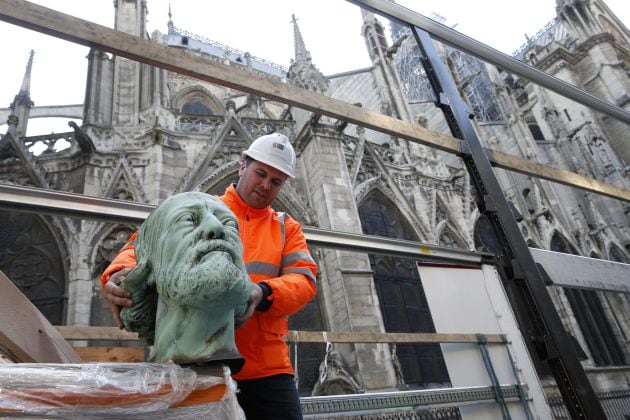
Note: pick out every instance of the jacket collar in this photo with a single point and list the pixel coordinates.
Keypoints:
(240, 207)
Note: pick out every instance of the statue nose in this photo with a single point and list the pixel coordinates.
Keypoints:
(211, 227)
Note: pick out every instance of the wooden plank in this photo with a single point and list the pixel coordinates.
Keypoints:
(370, 337)
(113, 333)
(51, 22)
(561, 176)
(111, 354)
(25, 334)
(95, 333)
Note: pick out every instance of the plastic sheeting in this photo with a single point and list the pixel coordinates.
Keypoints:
(114, 390)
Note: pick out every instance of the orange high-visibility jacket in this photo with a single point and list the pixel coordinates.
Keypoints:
(275, 252)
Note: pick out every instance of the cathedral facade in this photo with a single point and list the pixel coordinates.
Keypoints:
(148, 133)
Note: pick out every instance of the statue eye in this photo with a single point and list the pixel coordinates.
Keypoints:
(187, 218)
(230, 222)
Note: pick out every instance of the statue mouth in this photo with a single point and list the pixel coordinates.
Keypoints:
(215, 247)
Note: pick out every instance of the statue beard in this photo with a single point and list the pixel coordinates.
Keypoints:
(203, 279)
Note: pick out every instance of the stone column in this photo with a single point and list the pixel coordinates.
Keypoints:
(347, 285)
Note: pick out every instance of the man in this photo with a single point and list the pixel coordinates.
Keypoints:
(277, 261)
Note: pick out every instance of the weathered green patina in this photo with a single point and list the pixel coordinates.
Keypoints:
(190, 281)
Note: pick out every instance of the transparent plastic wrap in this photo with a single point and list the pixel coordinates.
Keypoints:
(104, 390)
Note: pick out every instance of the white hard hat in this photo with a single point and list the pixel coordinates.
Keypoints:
(274, 150)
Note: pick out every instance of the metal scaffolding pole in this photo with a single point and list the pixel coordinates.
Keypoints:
(57, 203)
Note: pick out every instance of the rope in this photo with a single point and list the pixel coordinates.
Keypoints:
(324, 373)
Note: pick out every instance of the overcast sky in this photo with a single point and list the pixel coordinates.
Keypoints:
(331, 30)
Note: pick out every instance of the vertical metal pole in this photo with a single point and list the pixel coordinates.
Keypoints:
(517, 262)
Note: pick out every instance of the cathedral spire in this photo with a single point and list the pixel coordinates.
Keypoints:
(374, 35)
(302, 72)
(22, 102)
(170, 19)
(301, 53)
(26, 81)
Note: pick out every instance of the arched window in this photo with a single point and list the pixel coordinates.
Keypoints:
(196, 105)
(403, 303)
(485, 239)
(589, 313)
(30, 257)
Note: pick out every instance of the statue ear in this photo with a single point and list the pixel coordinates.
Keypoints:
(138, 279)
(147, 272)
(141, 316)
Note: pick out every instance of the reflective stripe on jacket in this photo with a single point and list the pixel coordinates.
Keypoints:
(275, 252)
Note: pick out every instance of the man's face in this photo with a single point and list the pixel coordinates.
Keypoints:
(259, 184)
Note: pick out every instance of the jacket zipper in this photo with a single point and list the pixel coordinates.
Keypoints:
(245, 230)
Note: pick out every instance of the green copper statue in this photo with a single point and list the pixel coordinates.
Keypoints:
(190, 282)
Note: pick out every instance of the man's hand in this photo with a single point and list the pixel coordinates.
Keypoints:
(255, 298)
(116, 296)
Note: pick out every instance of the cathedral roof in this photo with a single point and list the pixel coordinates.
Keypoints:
(554, 31)
(183, 39)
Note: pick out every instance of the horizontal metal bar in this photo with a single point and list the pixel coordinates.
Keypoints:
(564, 269)
(40, 201)
(83, 32)
(406, 399)
(57, 203)
(575, 271)
(471, 46)
(388, 246)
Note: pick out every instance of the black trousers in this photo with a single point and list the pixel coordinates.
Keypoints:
(271, 398)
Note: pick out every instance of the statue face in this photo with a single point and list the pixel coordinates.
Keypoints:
(196, 253)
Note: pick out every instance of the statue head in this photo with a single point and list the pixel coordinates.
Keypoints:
(190, 281)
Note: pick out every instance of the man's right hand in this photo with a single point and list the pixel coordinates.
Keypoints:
(116, 296)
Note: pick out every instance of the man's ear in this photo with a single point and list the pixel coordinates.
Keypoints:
(241, 168)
